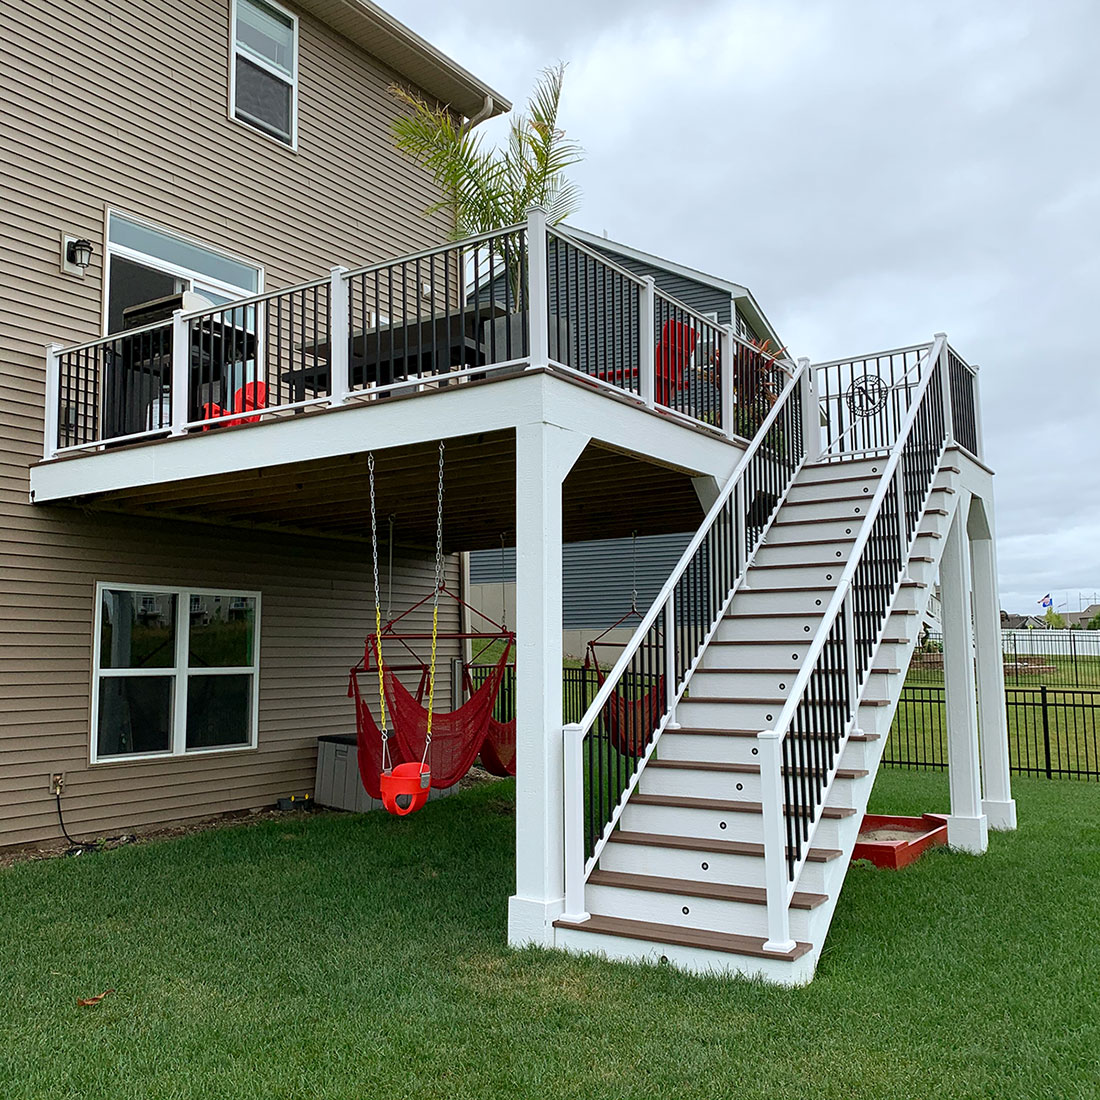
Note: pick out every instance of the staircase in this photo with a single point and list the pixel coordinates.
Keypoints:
(727, 846)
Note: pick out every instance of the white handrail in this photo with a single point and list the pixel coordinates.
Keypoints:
(611, 681)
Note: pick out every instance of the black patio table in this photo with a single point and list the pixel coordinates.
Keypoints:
(388, 353)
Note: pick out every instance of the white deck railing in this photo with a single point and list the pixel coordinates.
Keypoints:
(525, 296)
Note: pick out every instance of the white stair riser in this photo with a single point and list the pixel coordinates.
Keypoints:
(824, 554)
(717, 916)
(694, 960)
(728, 715)
(708, 824)
(846, 527)
(769, 602)
(754, 657)
(858, 754)
(741, 683)
(827, 471)
(751, 628)
(698, 746)
(744, 870)
(853, 490)
(820, 575)
(694, 783)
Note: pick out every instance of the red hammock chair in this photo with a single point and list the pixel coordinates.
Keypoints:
(498, 750)
(629, 722)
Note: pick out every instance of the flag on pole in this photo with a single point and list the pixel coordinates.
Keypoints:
(1046, 601)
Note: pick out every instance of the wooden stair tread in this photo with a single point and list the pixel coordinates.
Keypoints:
(766, 699)
(769, 669)
(703, 766)
(729, 943)
(843, 539)
(715, 847)
(693, 888)
(684, 802)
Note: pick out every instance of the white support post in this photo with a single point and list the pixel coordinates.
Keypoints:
(741, 529)
(903, 541)
(670, 660)
(647, 346)
(545, 453)
(573, 749)
(850, 658)
(998, 804)
(776, 881)
(181, 372)
(339, 335)
(945, 385)
(967, 826)
(538, 288)
(726, 344)
(52, 423)
(811, 414)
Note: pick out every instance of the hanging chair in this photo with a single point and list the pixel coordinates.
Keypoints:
(629, 721)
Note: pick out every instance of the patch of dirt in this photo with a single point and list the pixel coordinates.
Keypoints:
(61, 847)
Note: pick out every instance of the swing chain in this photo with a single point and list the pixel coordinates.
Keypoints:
(435, 600)
(386, 765)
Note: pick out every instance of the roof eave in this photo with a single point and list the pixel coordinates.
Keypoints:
(404, 51)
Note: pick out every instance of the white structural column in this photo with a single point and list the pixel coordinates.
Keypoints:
(967, 827)
(545, 453)
(997, 803)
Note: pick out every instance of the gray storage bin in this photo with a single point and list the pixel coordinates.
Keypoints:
(338, 785)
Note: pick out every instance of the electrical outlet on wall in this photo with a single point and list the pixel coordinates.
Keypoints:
(57, 783)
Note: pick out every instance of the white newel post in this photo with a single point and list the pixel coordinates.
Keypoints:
(776, 881)
(998, 804)
(181, 372)
(545, 453)
(339, 335)
(978, 435)
(52, 424)
(538, 288)
(811, 413)
(725, 379)
(647, 346)
(573, 747)
(945, 385)
(671, 643)
(967, 826)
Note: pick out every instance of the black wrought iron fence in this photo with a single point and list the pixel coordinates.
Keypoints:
(1052, 732)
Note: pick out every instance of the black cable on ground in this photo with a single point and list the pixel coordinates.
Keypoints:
(78, 846)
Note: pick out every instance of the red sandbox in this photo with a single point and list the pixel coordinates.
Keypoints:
(920, 834)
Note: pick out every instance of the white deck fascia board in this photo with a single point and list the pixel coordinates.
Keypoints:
(448, 413)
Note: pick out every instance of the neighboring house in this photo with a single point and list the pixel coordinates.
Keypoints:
(600, 575)
(217, 435)
(218, 147)
(1081, 619)
(1022, 622)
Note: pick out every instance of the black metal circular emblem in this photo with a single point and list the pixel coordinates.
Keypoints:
(866, 395)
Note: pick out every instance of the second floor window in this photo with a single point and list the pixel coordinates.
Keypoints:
(264, 68)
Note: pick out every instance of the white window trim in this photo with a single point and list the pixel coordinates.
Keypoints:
(261, 63)
(179, 672)
(110, 250)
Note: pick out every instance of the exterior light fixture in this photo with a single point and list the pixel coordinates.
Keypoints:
(79, 252)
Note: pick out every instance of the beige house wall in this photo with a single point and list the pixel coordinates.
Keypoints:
(124, 106)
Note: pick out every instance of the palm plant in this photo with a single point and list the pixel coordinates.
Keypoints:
(485, 189)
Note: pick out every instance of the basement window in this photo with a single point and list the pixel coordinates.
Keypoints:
(175, 672)
(263, 69)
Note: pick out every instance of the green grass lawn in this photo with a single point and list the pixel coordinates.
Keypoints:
(359, 957)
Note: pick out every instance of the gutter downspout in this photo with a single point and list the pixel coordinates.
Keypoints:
(481, 116)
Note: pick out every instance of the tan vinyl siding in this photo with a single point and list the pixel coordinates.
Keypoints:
(125, 106)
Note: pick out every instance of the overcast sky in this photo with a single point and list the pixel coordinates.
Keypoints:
(875, 172)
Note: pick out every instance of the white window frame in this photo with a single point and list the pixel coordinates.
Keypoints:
(262, 63)
(198, 280)
(179, 671)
